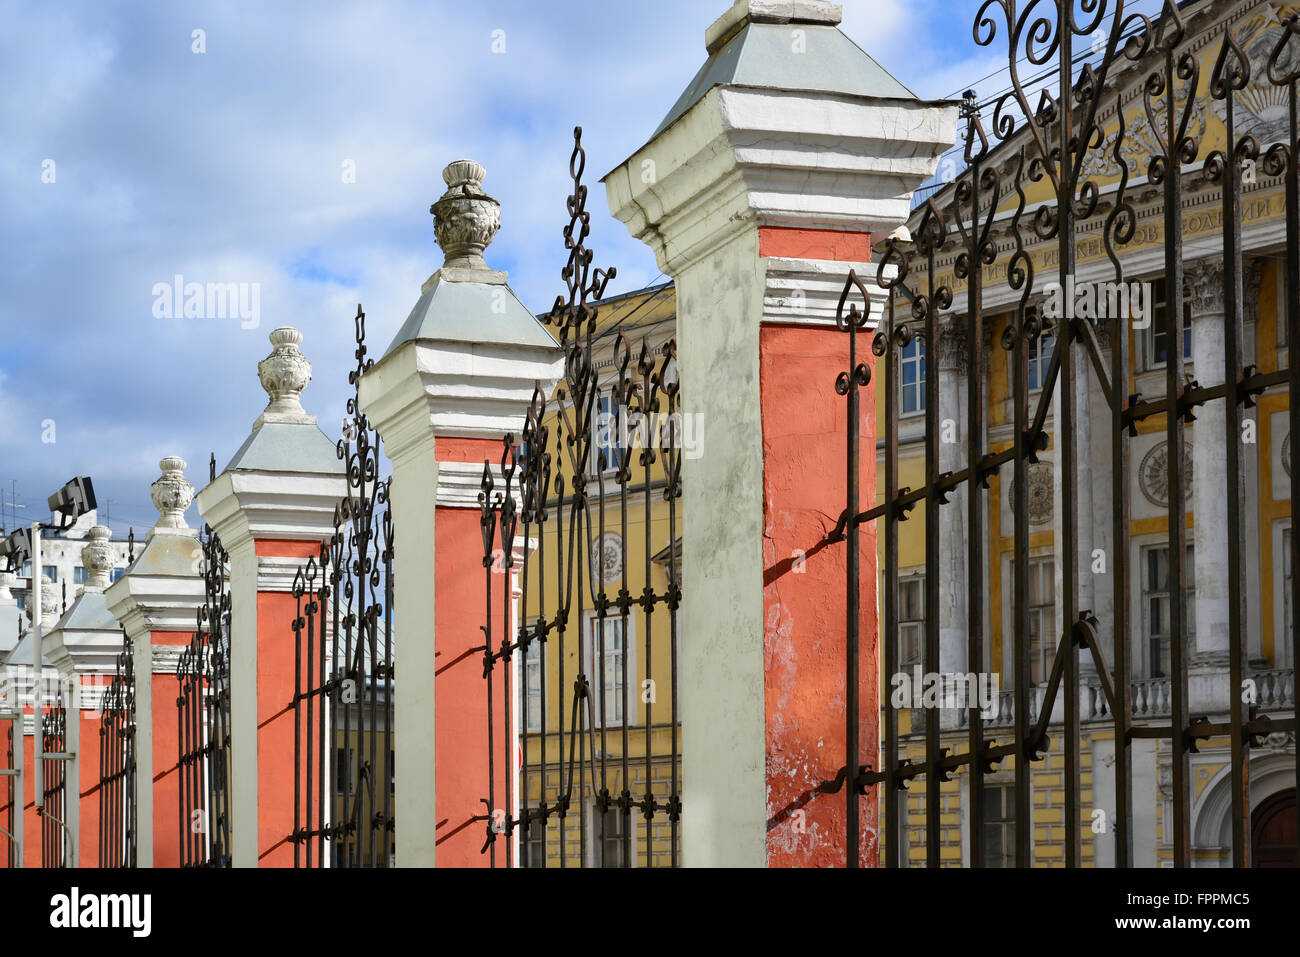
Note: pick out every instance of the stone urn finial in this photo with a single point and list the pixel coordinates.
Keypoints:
(465, 219)
(284, 374)
(172, 494)
(97, 557)
(49, 603)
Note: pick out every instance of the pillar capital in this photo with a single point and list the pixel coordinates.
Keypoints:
(787, 125)
(162, 589)
(285, 480)
(465, 365)
(1203, 287)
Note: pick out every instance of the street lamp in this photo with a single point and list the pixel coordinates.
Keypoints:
(69, 503)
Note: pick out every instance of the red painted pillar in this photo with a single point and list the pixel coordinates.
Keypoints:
(805, 436)
(461, 691)
(166, 819)
(276, 660)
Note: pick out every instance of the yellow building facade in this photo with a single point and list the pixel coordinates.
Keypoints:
(1266, 450)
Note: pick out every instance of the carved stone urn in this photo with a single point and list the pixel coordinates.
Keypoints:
(465, 219)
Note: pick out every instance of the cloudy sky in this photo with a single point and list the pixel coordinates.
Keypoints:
(227, 166)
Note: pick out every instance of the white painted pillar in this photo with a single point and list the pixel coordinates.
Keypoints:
(460, 372)
(142, 668)
(952, 362)
(1208, 667)
(156, 602)
(83, 646)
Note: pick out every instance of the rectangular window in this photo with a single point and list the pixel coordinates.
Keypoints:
(999, 826)
(1157, 341)
(1042, 618)
(911, 622)
(1039, 357)
(912, 377)
(79, 575)
(342, 772)
(1155, 601)
(606, 426)
(533, 856)
(607, 679)
(531, 685)
(611, 847)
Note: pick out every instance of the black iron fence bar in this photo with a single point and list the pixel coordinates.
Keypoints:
(344, 668)
(933, 235)
(1285, 159)
(53, 843)
(1231, 74)
(888, 346)
(1178, 148)
(576, 544)
(117, 785)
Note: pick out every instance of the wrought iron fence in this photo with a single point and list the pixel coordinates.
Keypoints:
(343, 681)
(1050, 142)
(117, 782)
(203, 718)
(54, 744)
(590, 457)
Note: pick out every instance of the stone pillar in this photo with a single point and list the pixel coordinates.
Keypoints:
(19, 687)
(10, 631)
(157, 602)
(1208, 689)
(272, 507)
(952, 359)
(83, 645)
(794, 152)
(457, 378)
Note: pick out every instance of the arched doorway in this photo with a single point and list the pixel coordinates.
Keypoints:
(1273, 831)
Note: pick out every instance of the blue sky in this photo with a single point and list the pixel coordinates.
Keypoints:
(225, 167)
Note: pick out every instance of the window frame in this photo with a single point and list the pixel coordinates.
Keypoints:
(1005, 824)
(920, 361)
(1147, 594)
(1160, 296)
(604, 404)
(590, 621)
(596, 858)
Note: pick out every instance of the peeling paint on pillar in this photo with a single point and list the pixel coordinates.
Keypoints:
(804, 436)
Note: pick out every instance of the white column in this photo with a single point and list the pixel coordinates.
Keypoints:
(161, 592)
(1208, 671)
(952, 362)
(415, 476)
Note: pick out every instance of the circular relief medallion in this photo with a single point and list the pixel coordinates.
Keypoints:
(1153, 474)
(607, 558)
(1286, 454)
(1040, 494)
